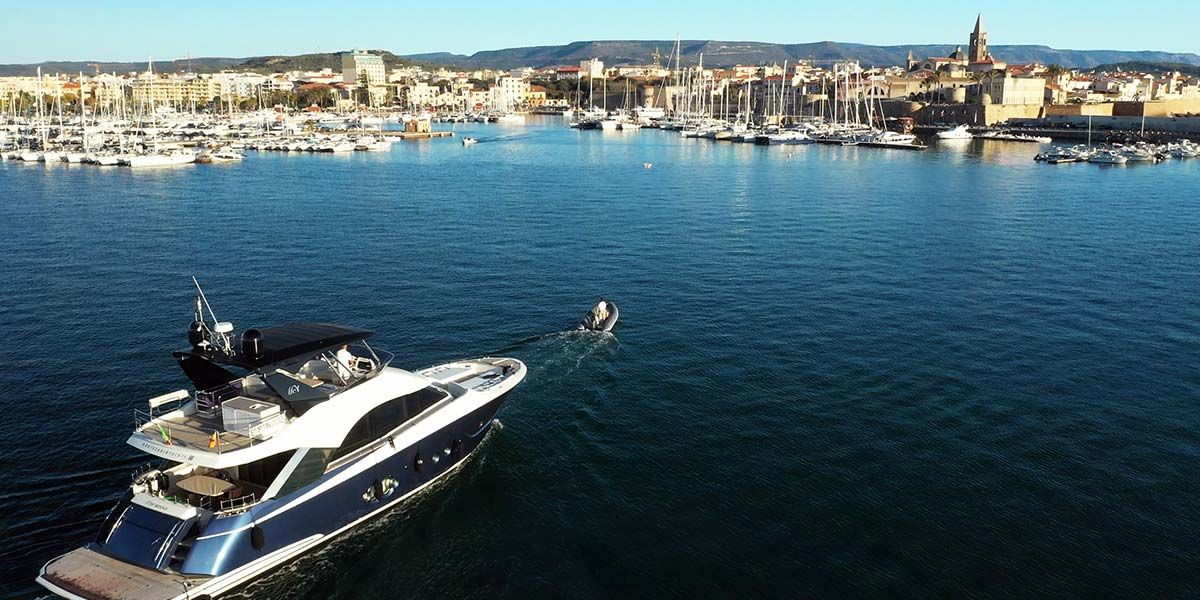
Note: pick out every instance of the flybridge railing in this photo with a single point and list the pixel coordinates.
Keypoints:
(206, 438)
(208, 402)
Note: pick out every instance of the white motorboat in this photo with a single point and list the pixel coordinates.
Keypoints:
(468, 141)
(1108, 157)
(894, 138)
(110, 160)
(169, 159)
(291, 436)
(382, 145)
(1139, 154)
(227, 155)
(957, 133)
(1014, 137)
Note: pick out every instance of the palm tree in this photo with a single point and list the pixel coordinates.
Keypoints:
(977, 78)
(987, 80)
(932, 80)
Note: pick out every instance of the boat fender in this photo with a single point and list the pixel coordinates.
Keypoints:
(378, 487)
(257, 538)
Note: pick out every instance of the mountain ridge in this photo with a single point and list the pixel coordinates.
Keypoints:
(717, 53)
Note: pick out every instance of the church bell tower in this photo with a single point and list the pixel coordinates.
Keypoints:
(978, 51)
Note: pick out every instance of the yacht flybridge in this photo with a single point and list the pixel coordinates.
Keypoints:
(292, 435)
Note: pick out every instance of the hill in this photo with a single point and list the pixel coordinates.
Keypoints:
(615, 52)
(258, 64)
(202, 65)
(724, 54)
(1151, 67)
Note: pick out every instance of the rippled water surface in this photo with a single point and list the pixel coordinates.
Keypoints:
(840, 372)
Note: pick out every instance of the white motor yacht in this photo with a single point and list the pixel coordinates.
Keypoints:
(957, 133)
(286, 438)
(168, 159)
(1108, 157)
(227, 155)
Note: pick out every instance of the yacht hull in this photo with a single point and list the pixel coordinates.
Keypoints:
(234, 550)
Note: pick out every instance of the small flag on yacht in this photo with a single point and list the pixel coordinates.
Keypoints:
(212, 440)
(165, 436)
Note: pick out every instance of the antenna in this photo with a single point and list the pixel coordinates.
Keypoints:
(206, 305)
(221, 329)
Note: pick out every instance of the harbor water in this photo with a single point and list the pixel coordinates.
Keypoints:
(840, 372)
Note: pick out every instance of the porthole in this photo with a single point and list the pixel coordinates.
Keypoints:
(418, 462)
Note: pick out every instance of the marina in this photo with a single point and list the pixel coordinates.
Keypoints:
(910, 290)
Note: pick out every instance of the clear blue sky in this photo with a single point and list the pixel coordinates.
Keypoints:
(135, 29)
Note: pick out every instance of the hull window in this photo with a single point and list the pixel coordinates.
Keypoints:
(418, 463)
(310, 468)
(360, 435)
(264, 471)
(388, 416)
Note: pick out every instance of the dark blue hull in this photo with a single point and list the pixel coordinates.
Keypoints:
(278, 530)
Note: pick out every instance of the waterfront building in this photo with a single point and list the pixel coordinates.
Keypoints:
(510, 93)
(592, 68)
(567, 72)
(358, 65)
(419, 95)
(1009, 90)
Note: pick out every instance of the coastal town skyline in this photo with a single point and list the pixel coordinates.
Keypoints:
(71, 30)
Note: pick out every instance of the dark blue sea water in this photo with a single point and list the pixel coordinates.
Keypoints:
(841, 372)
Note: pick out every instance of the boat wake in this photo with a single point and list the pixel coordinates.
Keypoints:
(555, 356)
(512, 137)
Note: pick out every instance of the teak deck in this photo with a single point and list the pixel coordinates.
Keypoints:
(92, 575)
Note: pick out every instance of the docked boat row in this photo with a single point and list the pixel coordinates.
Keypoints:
(1120, 154)
(327, 144)
(144, 158)
(286, 437)
(963, 132)
(119, 135)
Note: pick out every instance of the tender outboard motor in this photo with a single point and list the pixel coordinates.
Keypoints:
(195, 334)
(252, 343)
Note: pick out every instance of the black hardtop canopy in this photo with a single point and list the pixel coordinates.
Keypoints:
(282, 343)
